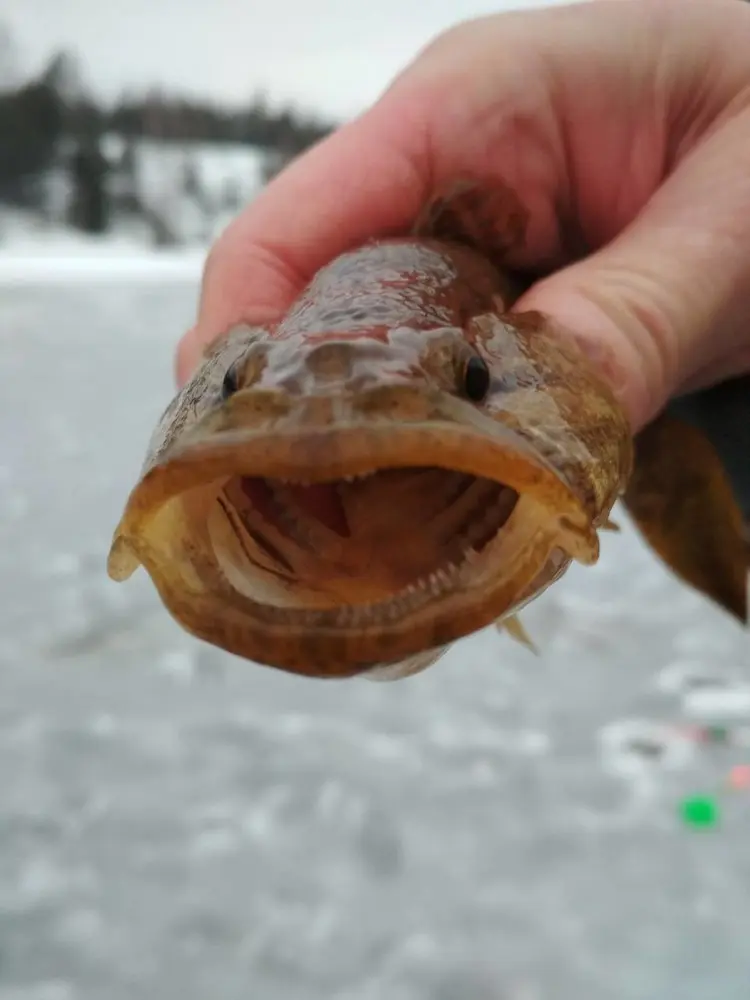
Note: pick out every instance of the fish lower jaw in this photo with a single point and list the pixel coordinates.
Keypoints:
(414, 598)
(417, 598)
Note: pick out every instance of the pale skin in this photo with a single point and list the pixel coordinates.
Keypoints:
(624, 127)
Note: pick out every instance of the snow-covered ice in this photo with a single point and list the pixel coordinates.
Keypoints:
(175, 823)
(36, 252)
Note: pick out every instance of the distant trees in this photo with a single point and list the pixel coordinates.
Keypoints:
(175, 118)
(34, 119)
(52, 121)
(31, 126)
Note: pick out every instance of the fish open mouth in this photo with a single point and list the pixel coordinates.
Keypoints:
(325, 550)
(356, 549)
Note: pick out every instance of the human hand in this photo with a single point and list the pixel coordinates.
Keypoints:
(625, 130)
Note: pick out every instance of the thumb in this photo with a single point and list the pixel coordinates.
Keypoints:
(670, 296)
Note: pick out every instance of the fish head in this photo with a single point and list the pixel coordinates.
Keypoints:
(331, 502)
(397, 463)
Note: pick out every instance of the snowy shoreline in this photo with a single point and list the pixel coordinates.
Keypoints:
(30, 255)
(139, 265)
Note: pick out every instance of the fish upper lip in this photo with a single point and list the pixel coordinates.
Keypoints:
(453, 435)
(309, 452)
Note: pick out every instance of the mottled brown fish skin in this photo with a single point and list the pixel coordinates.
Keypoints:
(368, 372)
(689, 494)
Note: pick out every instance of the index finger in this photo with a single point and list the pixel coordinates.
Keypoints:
(365, 180)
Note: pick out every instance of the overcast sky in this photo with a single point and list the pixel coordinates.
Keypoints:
(334, 56)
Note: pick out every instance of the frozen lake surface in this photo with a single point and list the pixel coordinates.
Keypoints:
(178, 825)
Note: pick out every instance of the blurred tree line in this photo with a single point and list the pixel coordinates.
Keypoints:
(51, 121)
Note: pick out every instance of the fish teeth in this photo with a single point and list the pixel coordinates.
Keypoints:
(357, 477)
(286, 481)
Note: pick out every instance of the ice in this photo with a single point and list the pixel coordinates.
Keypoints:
(176, 823)
(732, 702)
(67, 260)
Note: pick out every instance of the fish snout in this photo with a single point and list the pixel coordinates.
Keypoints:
(327, 364)
(337, 360)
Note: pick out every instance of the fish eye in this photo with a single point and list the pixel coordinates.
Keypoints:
(476, 377)
(231, 381)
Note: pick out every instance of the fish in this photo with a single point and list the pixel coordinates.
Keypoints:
(402, 459)
(689, 494)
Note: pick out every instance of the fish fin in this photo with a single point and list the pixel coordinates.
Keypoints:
(485, 215)
(122, 561)
(405, 668)
(610, 525)
(515, 629)
(682, 501)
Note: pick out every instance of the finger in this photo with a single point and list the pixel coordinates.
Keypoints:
(369, 179)
(366, 180)
(458, 109)
(679, 271)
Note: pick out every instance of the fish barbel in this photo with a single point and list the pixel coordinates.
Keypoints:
(402, 460)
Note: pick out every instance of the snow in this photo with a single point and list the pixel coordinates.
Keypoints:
(189, 191)
(79, 263)
(51, 254)
(176, 823)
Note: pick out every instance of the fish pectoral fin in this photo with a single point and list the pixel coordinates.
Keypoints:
(682, 501)
(405, 668)
(483, 214)
(122, 561)
(515, 629)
